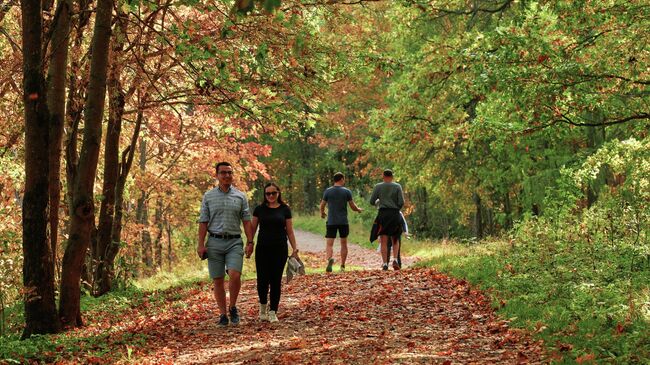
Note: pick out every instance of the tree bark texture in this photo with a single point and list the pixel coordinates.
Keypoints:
(56, 78)
(38, 268)
(168, 228)
(142, 212)
(160, 229)
(82, 211)
(116, 102)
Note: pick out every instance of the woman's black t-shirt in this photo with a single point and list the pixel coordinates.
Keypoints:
(272, 223)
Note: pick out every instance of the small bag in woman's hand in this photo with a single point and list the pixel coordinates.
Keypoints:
(294, 267)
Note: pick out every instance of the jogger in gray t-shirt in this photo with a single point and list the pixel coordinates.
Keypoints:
(337, 198)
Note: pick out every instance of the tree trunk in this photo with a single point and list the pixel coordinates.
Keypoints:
(56, 77)
(116, 232)
(116, 104)
(82, 211)
(168, 228)
(507, 209)
(38, 268)
(142, 213)
(478, 219)
(159, 233)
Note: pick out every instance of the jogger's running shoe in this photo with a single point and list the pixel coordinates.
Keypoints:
(223, 320)
(395, 265)
(234, 316)
(330, 262)
(384, 267)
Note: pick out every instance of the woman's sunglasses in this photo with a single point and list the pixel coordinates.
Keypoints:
(271, 193)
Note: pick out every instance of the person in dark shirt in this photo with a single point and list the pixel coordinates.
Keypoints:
(337, 198)
(273, 217)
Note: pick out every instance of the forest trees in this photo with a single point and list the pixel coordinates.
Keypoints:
(198, 81)
(485, 103)
(490, 112)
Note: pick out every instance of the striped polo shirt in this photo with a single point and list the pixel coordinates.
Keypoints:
(224, 211)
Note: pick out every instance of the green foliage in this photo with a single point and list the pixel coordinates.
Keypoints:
(577, 303)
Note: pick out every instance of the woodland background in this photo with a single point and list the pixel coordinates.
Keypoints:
(519, 130)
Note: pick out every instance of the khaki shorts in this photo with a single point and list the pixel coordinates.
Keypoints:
(224, 254)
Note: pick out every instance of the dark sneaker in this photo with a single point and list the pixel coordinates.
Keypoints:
(223, 320)
(330, 262)
(395, 265)
(384, 267)
(342, 268)
(234, 316)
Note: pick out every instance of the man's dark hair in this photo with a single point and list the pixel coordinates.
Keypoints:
(223, 163)
(338, 176)
(388, 173)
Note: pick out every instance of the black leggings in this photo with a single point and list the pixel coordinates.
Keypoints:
(269, 263)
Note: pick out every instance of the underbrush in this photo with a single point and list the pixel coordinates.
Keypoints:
(584, 306)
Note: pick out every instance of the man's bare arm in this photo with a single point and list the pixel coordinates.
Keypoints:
(354, 206)
(203, 231)
(322, 208)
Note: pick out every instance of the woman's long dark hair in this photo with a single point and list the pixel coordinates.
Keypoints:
(265, 202)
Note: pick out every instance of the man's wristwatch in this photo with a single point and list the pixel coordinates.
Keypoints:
(249, 243)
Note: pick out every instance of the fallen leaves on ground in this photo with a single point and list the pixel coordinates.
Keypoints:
(360, 317)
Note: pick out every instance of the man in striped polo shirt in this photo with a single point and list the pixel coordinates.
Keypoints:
(223, 209)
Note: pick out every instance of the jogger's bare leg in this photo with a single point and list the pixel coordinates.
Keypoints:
(383, 239)
(329, 248)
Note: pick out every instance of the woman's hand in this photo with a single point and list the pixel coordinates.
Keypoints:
(294, 252)
(249, 250)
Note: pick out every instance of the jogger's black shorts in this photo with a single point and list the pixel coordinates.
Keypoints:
(344, 230)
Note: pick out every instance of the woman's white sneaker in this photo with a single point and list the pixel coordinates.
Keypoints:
(273, 317)
(264, 312)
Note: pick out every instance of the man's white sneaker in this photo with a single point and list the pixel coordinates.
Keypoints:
(264, 312)
(273, 317)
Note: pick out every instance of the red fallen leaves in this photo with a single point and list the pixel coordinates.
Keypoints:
(350, 318)
(586, 359)
(619, 328)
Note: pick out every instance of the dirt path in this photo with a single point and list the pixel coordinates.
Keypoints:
(358, 257)
(356, 317)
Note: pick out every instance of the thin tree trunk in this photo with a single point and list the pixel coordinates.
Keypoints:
(168, 228)
(159, 234)
(77, 85)
(83, 209)
(116, 233)
(478, 219)
(38, 268)
(507, 209)
(142, 213)
(56, 76)
(111, 162)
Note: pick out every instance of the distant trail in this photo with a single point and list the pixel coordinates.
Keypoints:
(358, 256)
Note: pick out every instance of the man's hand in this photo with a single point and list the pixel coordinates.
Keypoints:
(249, 250)
(200, 250)
(322, 214)
(359, 210)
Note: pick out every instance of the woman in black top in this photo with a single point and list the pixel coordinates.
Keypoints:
(274, 219)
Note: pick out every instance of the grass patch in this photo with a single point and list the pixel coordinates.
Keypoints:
(578, 313)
